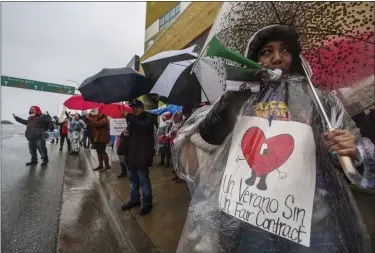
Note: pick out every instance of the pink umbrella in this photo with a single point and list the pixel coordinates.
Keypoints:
(341, 62)
(114, 110)
(76, 102)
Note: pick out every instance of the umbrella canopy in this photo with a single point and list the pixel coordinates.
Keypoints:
(337, 39)
(171, 108)
(115, 85)
(76, 102)
(177, 85)
(114, 110)
(155, 65)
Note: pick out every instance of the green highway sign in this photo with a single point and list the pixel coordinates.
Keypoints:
(15, 82)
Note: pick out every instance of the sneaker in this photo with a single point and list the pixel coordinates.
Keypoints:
(44, 163)
(130, 205)
(145, 210)
(31, 163)
(60, 149)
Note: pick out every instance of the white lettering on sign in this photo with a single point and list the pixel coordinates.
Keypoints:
(117, 126)
(269, 179)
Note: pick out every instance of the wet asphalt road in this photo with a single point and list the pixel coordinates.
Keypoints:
(58, 208)
(30, 197)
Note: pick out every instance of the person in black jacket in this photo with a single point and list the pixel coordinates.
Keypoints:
(37, 124)
(140, 156)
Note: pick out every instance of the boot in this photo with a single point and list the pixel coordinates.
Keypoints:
(145, 210)
(106, 162)
(100, 158)
(31, 163)
(130, 205)
(45, 162)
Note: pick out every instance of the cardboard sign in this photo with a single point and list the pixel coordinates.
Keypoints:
(117, 126)
(269, 179)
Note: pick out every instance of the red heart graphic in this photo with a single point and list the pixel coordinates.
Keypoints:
(266, 155)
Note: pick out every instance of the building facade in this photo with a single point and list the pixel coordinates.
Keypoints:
(174, 26)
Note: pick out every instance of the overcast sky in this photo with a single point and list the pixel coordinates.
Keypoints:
(59, 41)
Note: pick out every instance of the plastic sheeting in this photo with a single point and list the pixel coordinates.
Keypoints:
(272, 185)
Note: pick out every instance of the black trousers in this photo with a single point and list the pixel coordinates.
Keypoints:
(165, 154)
(100, 148)
(38, 145)
(62, 138)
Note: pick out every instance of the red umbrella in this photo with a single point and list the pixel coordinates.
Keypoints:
(76, 102)
(114, 110)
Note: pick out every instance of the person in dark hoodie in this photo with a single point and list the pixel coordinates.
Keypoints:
(36, 125)
(335, 220)
(140, 156)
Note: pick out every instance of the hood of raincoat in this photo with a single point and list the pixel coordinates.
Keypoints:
(177, 117)
(166, 116)
(283, 33)
(37, 110)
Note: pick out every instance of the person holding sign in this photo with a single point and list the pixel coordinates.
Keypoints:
(268, 170)
(140, 156)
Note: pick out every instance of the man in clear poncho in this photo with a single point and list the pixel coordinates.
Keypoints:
(263, 145)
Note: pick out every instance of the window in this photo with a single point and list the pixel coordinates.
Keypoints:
(177, 8)
(172, 13)
(169, 17)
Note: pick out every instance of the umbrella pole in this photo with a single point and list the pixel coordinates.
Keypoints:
(345, 161)
(204, 93)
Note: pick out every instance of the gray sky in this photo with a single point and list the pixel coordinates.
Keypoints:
(59, 41)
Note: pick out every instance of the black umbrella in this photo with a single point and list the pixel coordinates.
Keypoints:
(115, 85)
(155, 65)
(176, 85)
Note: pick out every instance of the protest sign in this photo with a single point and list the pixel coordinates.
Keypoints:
(117, 126)
(269, 179)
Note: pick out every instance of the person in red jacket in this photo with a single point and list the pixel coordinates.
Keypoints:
(64, 134)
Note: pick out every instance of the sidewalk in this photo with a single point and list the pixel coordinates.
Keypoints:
(160, 230)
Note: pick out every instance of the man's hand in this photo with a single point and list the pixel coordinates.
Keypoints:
(125, 133)
(341, 142)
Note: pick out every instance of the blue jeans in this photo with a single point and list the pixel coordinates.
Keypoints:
(139, 177)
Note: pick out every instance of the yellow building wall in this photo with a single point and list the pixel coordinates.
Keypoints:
(196, 18)
(154, 10)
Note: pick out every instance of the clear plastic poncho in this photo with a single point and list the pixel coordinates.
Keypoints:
(272, 185)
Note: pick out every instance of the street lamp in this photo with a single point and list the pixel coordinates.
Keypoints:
(75, 82)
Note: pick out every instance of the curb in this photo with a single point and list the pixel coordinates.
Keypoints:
(113, 217)
(125, 223)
